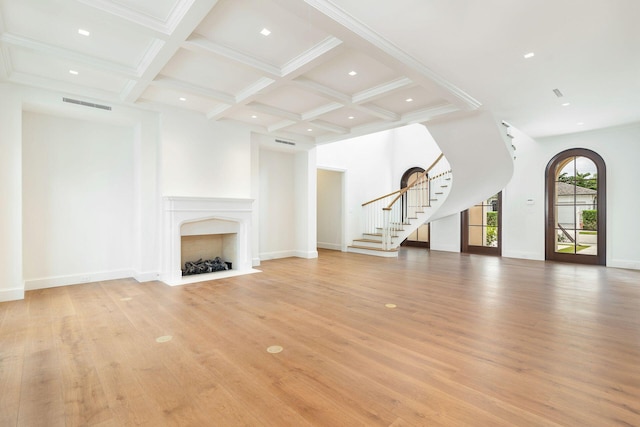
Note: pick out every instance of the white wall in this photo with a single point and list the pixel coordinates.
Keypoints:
(203, 158)
(445, 234)
(523, 223)
(411, 146)
(11, 281)
(170, 152)
(277, 204)
(305, 189)
(78, 200)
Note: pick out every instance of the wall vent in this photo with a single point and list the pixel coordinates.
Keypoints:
(280, 141)
(86, 104)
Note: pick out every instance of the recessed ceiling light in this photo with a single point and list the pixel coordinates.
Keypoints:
(580, 123)
(74, 72)
(529, 55)
(182, 98)
(83, 32)
(352, 73)
(566, 104)
(254, 117)
(265, 32)
(309, 130)
(409, 99)
(351, 117)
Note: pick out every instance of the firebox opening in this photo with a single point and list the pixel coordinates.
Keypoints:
(211, 239)
(206, 253)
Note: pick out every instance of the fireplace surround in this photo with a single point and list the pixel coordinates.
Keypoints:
(227, 219)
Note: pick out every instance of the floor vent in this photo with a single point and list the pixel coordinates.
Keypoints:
(86, 104)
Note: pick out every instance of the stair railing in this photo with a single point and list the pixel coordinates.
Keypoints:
(388, 214)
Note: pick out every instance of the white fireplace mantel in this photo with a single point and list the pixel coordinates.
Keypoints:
(182, 210)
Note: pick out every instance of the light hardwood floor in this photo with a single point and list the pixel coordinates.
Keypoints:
(472, 341)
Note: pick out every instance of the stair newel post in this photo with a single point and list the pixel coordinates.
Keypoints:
(386, 228)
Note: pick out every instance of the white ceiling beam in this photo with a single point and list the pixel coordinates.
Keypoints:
(281, 125)
(381, 90)
(201, 44)
(166, 27)
(58, 52)
(171, 83)
(330, 127)
(275, 111)
(377, 111)
(253, 89)
(322, 90)
(327, 108)
(6, 66)
(98, 96)
(218, 111)
(310, 55)
(190, 19)
(429, 113)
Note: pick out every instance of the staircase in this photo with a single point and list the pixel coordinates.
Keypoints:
(390, 219)
(477, 148)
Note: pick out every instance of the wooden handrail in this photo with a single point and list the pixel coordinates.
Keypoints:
(405, 189)
(380, 198)
(420, 180)
(435, 162)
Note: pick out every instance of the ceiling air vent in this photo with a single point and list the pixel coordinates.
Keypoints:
(280, 141)
(558, 93)
(86, 104)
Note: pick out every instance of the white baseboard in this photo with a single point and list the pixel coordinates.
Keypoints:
(147, 276)
(255, 262)
(264, 256)
(288, 254)
(331, 246)
(52, 282)
(624, 263)
(14, 294)
(445, 248)
(306, 254)
(523, 255)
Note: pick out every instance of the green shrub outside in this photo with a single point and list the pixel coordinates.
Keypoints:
(492, 228)
(590, 219)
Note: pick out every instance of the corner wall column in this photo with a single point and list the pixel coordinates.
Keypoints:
(11, 278)
(305, 189)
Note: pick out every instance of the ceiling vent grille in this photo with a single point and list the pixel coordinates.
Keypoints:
(86, 104)
(558, 93)
(280, 141)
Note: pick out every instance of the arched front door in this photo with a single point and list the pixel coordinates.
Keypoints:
(576, 208)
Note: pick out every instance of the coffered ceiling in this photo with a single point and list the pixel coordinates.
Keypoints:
(322, 70)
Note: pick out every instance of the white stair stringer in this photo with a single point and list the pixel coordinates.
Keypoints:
(480, 154)
(371, 243)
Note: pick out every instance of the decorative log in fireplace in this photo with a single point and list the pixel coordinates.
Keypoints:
(205, 266)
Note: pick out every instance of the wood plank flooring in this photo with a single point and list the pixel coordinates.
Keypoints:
(472, 341)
